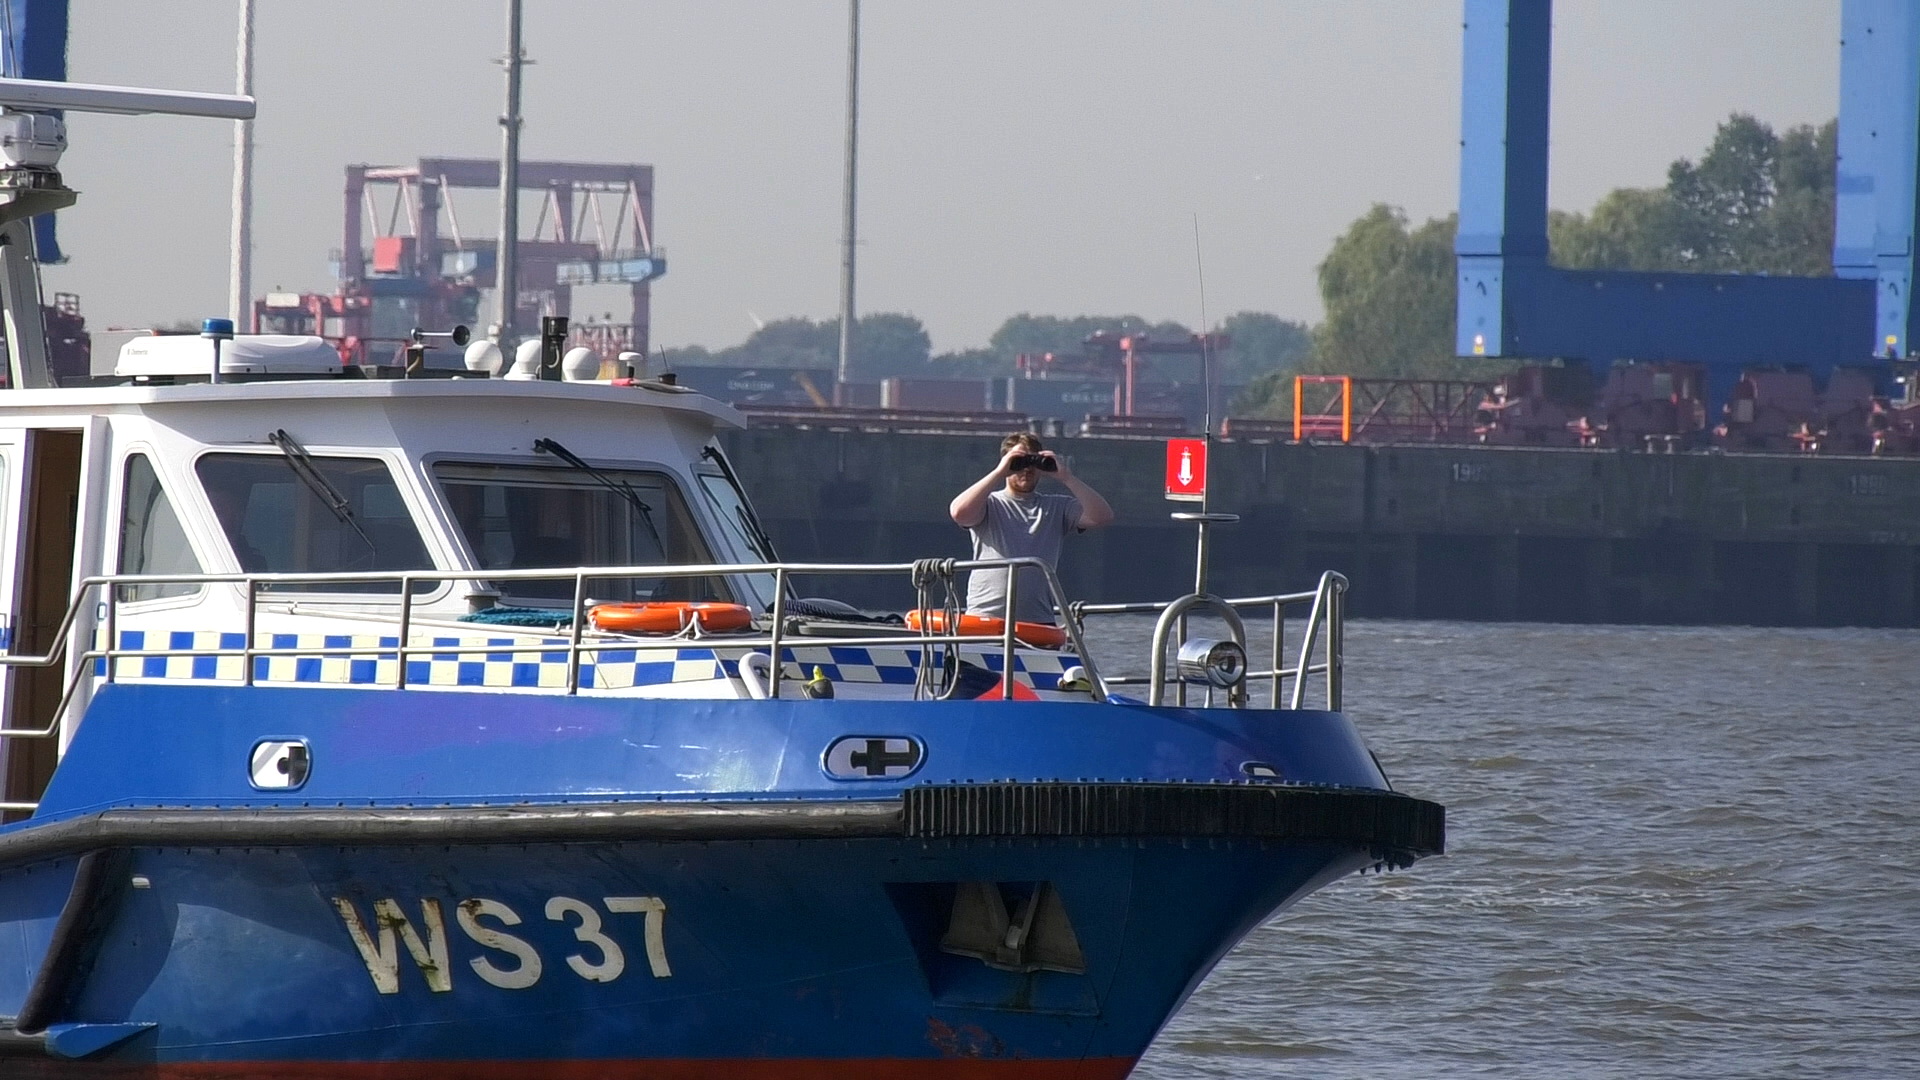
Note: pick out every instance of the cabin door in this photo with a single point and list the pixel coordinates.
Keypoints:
(39, 514)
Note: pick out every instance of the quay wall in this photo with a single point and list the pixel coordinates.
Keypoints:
(1422, 531)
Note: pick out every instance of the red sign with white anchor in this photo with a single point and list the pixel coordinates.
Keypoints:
(1187, 469)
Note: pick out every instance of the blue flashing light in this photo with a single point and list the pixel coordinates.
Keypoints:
(216, 328)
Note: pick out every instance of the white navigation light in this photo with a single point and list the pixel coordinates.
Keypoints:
(484, 356)
(526, 360)
(580, 364)
(1221, 664)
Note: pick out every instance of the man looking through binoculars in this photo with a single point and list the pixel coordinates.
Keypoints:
(1016, 521)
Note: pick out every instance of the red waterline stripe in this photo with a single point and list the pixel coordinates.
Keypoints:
(676, 1069)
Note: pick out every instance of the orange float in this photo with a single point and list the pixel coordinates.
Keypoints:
(670, 617)
(1040, 635)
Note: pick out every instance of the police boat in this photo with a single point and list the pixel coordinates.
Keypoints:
(418, 723)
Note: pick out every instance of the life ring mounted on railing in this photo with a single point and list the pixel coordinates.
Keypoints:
(670, 617)
(1039, 635)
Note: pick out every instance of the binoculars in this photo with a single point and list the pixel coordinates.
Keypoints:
(1034, 461)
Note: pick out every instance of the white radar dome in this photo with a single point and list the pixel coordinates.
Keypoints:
(526, 360)
(580, 364)
(484, 356)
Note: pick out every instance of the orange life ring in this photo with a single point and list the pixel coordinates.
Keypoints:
(1040, 635)
(670, 617)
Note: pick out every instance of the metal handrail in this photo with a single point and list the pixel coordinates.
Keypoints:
(1329, 603)
(578, 644)
(1176, 612)
(1328, 611)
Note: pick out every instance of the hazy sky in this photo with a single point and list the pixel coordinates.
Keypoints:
(1017, 155)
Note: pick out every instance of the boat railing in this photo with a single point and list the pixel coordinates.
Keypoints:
(277, 589)
(104, 595)
(1325, 629)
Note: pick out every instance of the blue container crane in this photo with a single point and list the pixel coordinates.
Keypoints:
(1514, 303)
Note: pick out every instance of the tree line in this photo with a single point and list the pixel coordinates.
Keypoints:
(1756, 202)
(896, 345)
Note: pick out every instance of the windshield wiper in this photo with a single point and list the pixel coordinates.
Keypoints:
(756, 536)
(303, 467)
(618, 487)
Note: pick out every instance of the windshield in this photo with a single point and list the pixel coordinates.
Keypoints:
(729, 507)
(519, 518)
(277, 522)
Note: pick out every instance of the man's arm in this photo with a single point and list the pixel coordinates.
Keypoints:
(969, 508)
(1094, 510)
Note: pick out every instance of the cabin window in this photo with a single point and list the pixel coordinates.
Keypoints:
(542, 518)
(729, 505)
(151, 539)
(348, 517)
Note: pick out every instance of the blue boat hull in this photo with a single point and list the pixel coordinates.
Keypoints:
(773, 952)
(501, 888)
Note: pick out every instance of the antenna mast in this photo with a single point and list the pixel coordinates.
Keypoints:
(506, 270)
(847, 205)
(240, 291)
(1206, 517)
(1206, 340)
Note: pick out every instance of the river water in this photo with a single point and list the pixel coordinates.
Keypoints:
(1672, 853)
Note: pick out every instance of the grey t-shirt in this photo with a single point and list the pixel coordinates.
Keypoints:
(1017, 528)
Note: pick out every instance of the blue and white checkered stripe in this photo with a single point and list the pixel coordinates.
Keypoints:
(517, 662)
(899, 666)
(501, 662)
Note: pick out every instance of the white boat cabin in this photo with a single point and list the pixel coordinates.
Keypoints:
(467, 487)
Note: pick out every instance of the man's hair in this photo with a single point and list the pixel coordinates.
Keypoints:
(1025, 440)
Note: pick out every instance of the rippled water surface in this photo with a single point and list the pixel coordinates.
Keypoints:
(1672, 852)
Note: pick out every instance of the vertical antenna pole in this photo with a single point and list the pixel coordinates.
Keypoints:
(506, 268)
(1206, 410)
(1205, 519)
(1206, 345)
(847, 204)
(240, 284)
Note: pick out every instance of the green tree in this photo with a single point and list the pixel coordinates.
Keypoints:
(786, 343)
(886, 345)
(1035, 334)
(680, 356)
(1258, 344)
(1723, 200)
(1628, 229)
(1388, 290)
(1270, 396)
(970, 364)
(1757, 202)
(1800, 221)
